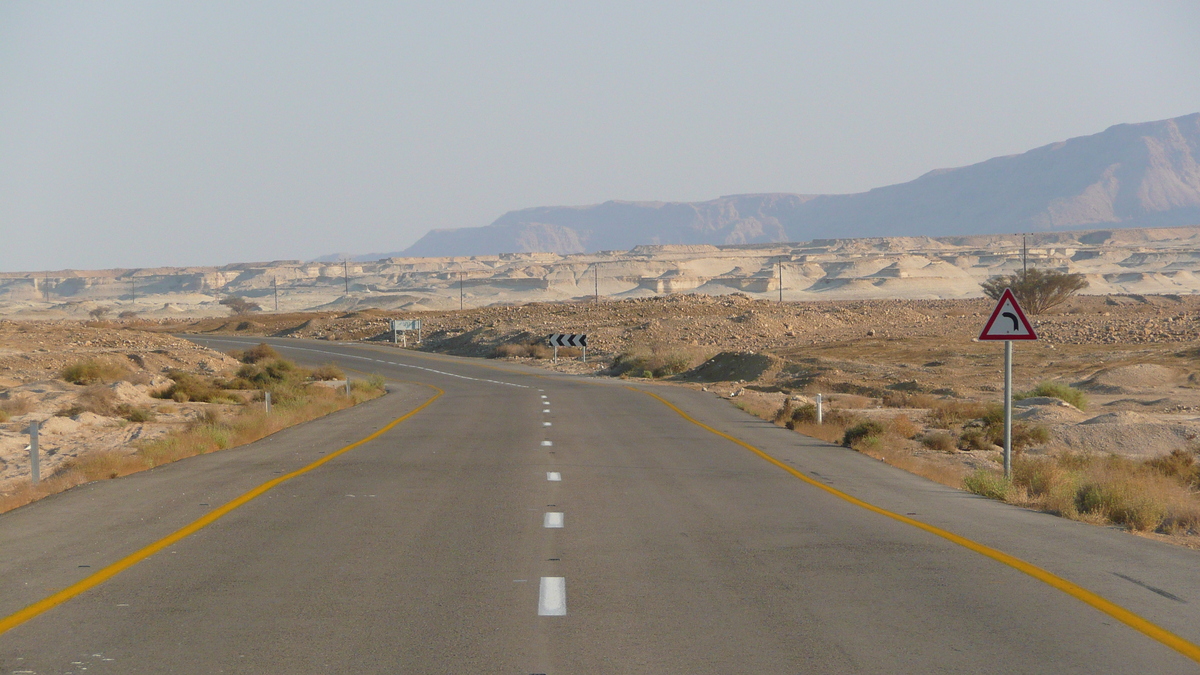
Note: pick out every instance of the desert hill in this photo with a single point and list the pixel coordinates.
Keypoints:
(1128, 261)
(1130, 175)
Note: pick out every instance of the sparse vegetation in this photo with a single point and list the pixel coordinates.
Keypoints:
(942, 441)
(327, 372)
(92, 371)
(259, 352)
(188, 387)
(1037, 290)
(655, 362)
(862, 431)
(1056, 390)
(99, 312)
(210, 432)
(535, 350)
(1156, 495)
(127, 314)
(238, 305)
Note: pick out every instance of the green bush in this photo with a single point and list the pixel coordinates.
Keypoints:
(987, 484)
(1056, 390)
(862, 431)
(941, 441)
(135, 413)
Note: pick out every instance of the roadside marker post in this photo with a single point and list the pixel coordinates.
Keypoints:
(267, 402)
(820, 417)
(34, 459)
(1008, 323)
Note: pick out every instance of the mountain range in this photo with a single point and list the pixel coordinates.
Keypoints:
(1129, 175)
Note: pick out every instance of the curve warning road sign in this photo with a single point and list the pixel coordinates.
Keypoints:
(1008, 322)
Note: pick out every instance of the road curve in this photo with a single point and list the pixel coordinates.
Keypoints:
(526, 522)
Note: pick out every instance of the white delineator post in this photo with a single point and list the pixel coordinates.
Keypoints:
(820, 416)
(34, 460)
(347, 385)
(267, 402)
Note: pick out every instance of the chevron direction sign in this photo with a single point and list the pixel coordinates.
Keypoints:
(568, 340)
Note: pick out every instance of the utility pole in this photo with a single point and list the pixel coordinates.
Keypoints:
(1024, 259)
(346, 275)
(460, 291)
(275, 287)
(596, 277)
(781, 281)
(133, 288)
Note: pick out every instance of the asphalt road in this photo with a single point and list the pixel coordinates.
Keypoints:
(533, 523)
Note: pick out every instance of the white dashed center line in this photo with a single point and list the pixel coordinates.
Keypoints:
(553, 519)
(545, 424)
(546, 410)
(552, 597)
(553, 476)
(547, 443)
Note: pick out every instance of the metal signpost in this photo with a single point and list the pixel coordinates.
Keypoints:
(399, 326)
(568, 340)
(1008, 323)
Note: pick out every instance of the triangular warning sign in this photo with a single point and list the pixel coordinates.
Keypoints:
(1008, 322)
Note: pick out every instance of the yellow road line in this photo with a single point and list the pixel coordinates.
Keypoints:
(1117, 612)
(132, 559)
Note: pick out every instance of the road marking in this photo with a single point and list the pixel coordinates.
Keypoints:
(553, 520)
(547, 443)
(1112, 609)
(546, 424)
(102, 575)
(543, 395)
(553, 476)
(552, 596)
(546, 410)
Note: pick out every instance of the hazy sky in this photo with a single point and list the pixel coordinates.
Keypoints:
(197, 133)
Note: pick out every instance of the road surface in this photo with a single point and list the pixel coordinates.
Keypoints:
(525, 522)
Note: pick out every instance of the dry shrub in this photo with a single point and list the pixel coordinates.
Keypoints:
(941, 441)
(17, 405)
(862, 432)
(655, 362)
(93, 371)
(510, 351)
(211, 431)
(188, 387)
(900, 399)
(259, 352)
(944, 414)
(852, 401)
(327, 372)
(903, 427)
(97, 399)
(3, 417)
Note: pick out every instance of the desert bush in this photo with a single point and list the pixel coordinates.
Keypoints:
(327, 372)
(945, 414)
(784, 414)
(657, 363)
(259, 352)
(1056, 390)
(804, 414)
(903, 427)
(862, 431)
(1179, 464)
(510, 350)
(1037, 290)
(900, 399)
(135, 413)
(92, 371)
(99, 313)
(238, 305)
(188, 387)
(376, 382)
(3, 417)
(127, 314)
(16, 405)
(838, 417)
(987, 483)
(941, 441)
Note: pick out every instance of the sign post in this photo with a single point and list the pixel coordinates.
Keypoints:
(403, 326)
(568, 340)
(1008, 323)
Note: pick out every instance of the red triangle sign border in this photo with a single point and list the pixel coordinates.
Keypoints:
(1008, 296)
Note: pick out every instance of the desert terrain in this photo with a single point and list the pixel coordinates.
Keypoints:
(1116, 261)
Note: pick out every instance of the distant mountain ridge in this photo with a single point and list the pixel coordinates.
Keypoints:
(1130, 175)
